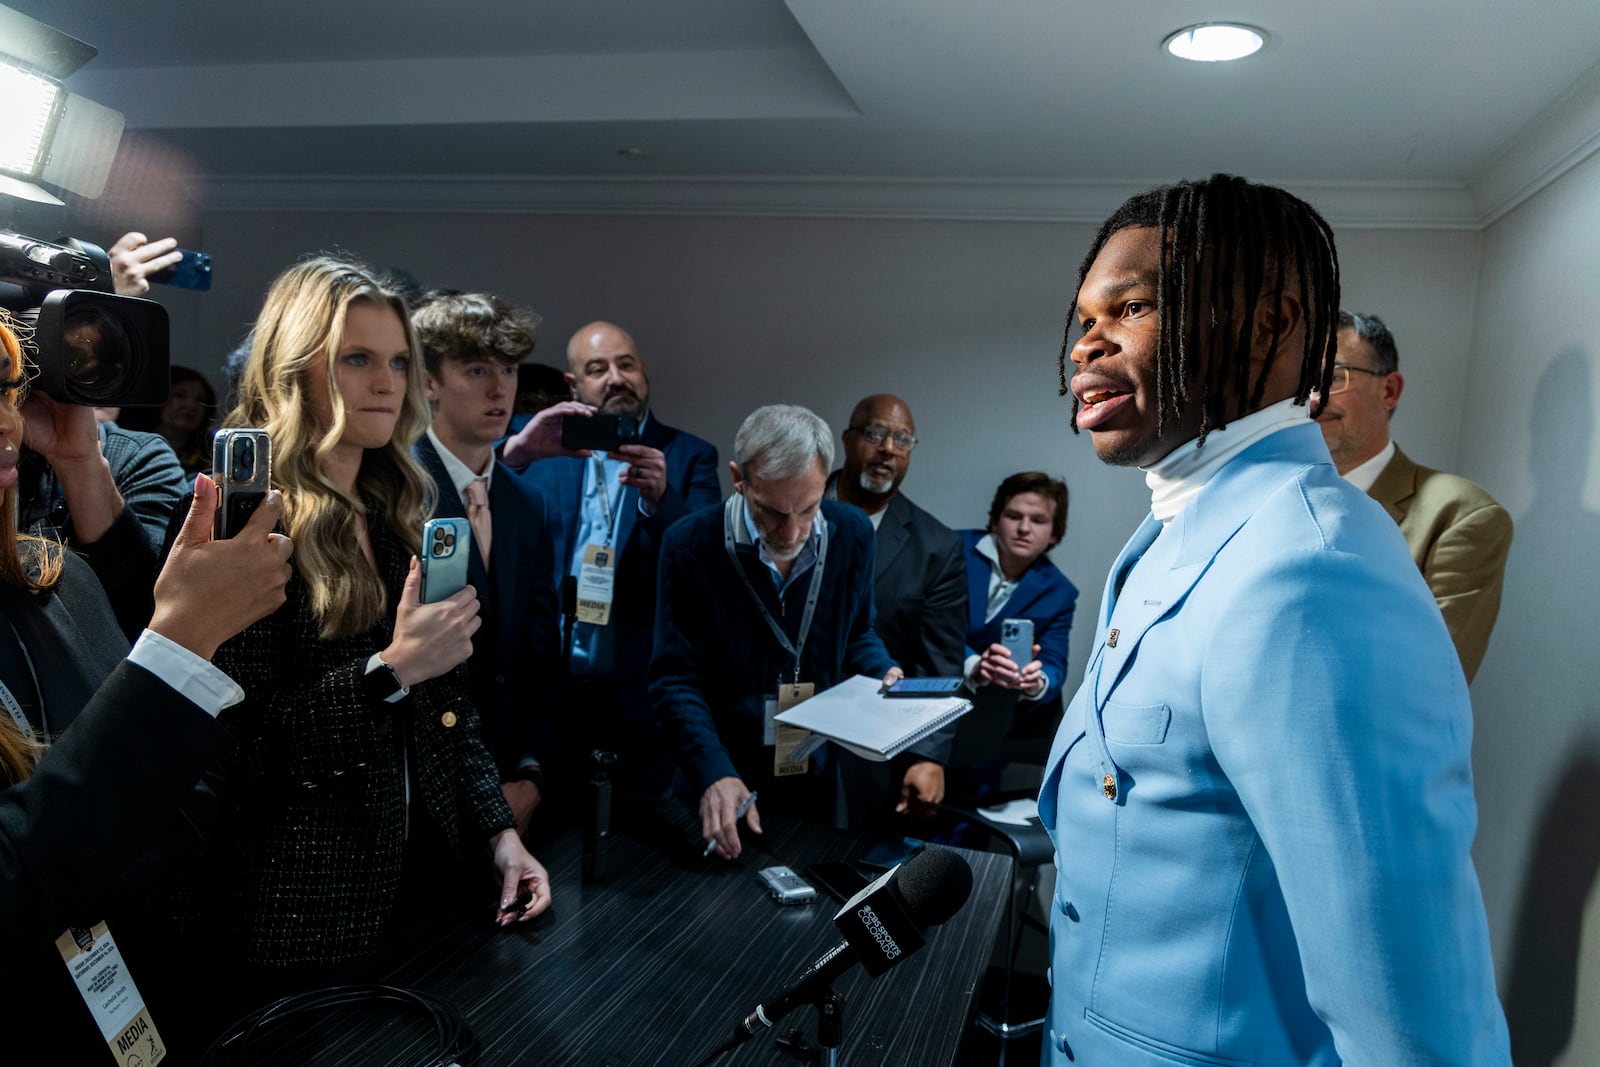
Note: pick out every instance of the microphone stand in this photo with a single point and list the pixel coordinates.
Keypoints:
(830, 1032)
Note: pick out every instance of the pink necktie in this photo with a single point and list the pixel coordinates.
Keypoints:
(478, 516)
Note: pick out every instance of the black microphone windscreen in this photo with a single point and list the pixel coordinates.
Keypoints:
(934, 884)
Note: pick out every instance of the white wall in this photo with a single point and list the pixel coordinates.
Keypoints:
(963, 319)
(1528, 434)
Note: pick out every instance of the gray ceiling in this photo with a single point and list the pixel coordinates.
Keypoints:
(1360, 91)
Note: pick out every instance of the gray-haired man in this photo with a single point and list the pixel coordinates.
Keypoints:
(763, 602)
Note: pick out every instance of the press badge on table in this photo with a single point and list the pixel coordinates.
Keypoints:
(597, 579)
(102, 979)
(792, 746)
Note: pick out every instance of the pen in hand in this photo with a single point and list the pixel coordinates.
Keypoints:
(743, 810)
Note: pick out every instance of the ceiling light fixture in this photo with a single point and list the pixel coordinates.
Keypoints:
(1215, 42)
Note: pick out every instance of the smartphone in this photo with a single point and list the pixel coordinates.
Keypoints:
(889, 854)
(446, 548)
(1017, 637)
(837, 879)
(193, 271)
(599, 432)
(924, 687)
(241, 465)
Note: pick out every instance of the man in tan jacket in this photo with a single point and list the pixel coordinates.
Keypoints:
(1456, 532)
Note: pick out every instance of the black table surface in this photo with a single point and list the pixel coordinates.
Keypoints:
(656, 965)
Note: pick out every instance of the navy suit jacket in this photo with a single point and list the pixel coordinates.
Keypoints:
(717, 660)
(920, 593)
(692, 485)
(1047, 597)
(516, 653)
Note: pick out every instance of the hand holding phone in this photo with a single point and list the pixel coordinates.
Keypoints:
(192, 271)
(430, 639)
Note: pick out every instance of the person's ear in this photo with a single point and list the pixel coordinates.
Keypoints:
(1282, 316)
(1393, 385)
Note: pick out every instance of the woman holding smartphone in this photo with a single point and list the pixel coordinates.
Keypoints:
(358, 772)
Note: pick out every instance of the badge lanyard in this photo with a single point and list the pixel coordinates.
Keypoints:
(613, 517)
(732, 514)
(9, 699)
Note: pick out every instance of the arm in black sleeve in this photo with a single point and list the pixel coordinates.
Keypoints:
(132, 756)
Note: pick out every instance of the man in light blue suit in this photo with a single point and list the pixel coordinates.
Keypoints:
(1261, 796)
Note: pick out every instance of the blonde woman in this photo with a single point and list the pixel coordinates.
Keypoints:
(359, 772)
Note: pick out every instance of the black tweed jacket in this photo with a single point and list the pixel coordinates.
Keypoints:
(306, 866)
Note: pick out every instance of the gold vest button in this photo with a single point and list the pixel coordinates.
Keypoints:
(448, 719)
(1108, 786)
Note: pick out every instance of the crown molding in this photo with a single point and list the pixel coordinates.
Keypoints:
(1387, 205)
(1564, 135)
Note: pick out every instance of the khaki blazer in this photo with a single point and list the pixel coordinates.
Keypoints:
(1460, 539)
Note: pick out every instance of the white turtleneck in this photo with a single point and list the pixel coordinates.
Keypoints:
(1177, 477)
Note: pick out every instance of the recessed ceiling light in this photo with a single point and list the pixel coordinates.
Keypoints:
(1215, 42)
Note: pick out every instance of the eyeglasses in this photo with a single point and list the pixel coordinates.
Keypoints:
(904, 440)
(1341, 377)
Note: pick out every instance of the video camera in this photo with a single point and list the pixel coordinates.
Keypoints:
(92, 346)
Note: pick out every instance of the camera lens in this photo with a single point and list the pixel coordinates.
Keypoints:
(97, 351)
(244, 459)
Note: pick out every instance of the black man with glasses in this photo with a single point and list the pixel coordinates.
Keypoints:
(1457, 533)
(919, 583)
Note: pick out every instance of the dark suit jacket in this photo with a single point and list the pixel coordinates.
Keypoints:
(127, 556)
(515, 669)
(920, 589)
(692, 485)
(1045, 596)
(71, 637)
(306, 869)
(717, 660)
(1460, 539)
(134, 752)
(128, 764)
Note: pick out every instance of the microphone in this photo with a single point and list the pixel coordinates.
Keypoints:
(882, 925)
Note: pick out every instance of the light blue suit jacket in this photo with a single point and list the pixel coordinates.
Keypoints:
(1282, 874)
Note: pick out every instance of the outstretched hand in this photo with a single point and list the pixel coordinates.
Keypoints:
(210, 590)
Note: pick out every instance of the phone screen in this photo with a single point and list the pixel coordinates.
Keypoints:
(926, 687)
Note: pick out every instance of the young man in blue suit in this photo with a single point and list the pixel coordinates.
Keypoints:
(1010, 576)
(472, 343)
(1261, 796)
(614, 506)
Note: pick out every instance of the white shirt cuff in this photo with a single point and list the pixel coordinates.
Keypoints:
(969, 666)
(186, 672)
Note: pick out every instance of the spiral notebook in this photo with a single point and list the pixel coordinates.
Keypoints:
(855, 714)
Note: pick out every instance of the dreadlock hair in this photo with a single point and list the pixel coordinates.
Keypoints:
(1225, 245)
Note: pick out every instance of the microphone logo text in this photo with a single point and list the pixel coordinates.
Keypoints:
(879, 934)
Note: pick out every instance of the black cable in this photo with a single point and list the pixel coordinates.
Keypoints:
(455, 1045)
